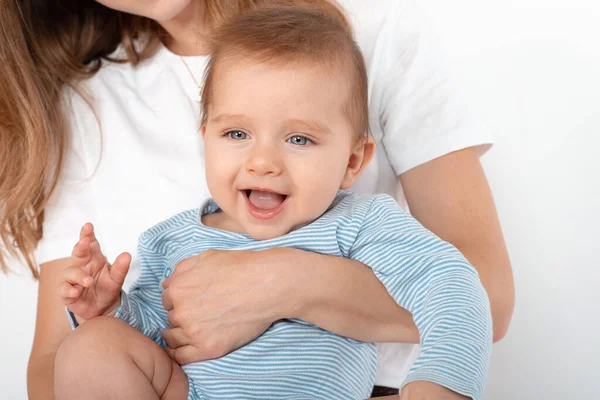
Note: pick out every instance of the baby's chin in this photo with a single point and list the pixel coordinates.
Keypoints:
(272, 231)
(260, 233)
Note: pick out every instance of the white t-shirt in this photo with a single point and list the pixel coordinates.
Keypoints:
(146, 162)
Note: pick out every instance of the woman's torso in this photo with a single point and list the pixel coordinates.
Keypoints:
(144, 162)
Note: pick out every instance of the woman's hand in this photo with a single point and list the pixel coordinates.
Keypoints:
(222, 299)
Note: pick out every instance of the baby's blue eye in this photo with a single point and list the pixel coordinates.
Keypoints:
(237, 135)
(299, 140)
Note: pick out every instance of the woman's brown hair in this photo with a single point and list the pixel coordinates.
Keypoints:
(45, 45)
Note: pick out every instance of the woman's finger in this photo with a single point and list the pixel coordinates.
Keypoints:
(185, 355)
(166, 300)
(77, 276)
(171, 353)
(175, 337)
(171, 319)
(185, 265)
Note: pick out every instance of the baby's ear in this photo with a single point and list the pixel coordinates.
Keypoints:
(203, 129)
(359, 158)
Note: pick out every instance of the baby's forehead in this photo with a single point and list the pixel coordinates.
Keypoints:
(238, 58)
(279, 85)
(334, 75)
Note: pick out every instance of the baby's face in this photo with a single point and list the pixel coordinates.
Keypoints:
(278, 145)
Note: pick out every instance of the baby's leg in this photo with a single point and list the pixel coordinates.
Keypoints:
(105, 358)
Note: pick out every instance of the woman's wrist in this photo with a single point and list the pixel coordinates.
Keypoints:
(307, 285)
(291, 270)
(337, 294)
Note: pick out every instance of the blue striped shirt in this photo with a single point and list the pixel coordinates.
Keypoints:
(297, 360)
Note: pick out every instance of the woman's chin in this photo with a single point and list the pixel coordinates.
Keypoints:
(158, 10)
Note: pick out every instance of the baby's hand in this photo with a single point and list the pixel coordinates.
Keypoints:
(91, 286)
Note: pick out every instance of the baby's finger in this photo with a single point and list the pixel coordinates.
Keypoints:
(68, 292)
(95, 246)
(118, 271)
(86, 230)
(98, 260)
(81, 252)
(76, 276)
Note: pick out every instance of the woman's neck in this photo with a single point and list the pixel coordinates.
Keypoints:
(188, 30)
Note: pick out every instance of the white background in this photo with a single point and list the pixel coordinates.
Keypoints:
(531, 71)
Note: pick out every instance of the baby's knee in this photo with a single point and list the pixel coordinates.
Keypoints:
(78, 355)
(92, 337)
(86, 344)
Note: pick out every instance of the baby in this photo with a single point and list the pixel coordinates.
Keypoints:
(285, 129)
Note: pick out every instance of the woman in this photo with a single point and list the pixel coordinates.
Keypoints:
(103, 144)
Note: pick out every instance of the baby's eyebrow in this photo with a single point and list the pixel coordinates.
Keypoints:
(228, 117)
(313, 126)
(310, 125)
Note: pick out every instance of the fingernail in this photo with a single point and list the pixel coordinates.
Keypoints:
(87, 280)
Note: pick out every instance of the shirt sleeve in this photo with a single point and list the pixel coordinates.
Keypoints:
(423, 114)
(432, 280)
(71, 204)
(142, 307)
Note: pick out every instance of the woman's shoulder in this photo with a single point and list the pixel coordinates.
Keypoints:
(373, 24)
(123, 88)
(122, 78)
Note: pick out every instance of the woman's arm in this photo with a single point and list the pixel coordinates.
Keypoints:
(222, 299)
(448, 195)
(51, 329)
(344, 296)
(451, 197)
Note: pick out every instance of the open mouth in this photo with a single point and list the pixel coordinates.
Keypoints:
(264, 203)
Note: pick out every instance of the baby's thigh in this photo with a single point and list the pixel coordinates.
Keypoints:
(110, 348)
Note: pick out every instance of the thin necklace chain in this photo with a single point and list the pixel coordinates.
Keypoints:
(199, 86)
